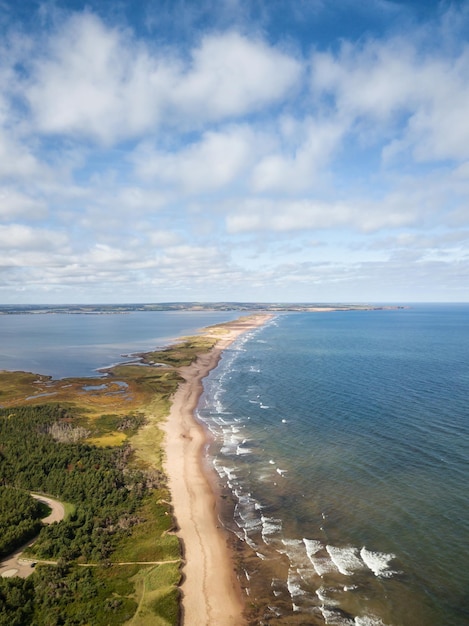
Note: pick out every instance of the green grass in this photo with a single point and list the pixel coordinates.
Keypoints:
(181, 354)
(157, 596)
(69, 509)
(150, 540)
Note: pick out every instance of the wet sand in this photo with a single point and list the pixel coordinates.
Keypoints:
(211, 593)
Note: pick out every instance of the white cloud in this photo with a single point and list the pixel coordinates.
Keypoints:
(145, 163)
(15, 204)
(164, 238)
(297, 165)
(291, 215)
(391, 88)
(99, 82)
(16, 161)
(18, 237)
(92, 82)
(213, 162)
(232, 75)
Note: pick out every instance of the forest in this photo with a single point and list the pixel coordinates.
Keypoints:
(111, 497)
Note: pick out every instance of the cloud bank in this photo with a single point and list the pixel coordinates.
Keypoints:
(134, 167)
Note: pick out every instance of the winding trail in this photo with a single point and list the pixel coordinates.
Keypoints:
(15, 565)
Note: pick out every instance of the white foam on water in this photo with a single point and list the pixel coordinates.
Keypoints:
(219, 421)
(250, 542)
(335, 618)
(276, 611)
(240, 450)
(368, 620)
(312, 546)
(378, 562)
(270, 528)
(238, 491)
(345, 559)
(324, 595)
(272, 462)
(322, 564)
(229, 472)
(296, 553)
(294, 588)
(231, 441)
(218, 406)
(244, 523)
(307, 575)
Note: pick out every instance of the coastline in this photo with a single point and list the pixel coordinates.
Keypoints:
(211, 592)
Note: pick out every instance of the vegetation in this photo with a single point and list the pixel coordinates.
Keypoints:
(97, 446)
(92, 478)
(20, 519)
(121, 514)
(64, 595)
(183, 353)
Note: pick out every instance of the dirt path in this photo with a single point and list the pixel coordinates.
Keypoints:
(15, 565)
(57, 508)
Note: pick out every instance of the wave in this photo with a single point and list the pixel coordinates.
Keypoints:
(378, 562)
(345, 559)
(270, 528)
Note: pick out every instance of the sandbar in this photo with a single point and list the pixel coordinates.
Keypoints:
(211, 593)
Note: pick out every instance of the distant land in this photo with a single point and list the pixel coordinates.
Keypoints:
(96, 309)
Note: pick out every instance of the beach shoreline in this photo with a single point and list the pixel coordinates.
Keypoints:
(211, 591)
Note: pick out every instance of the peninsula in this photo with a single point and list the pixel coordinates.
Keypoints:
(94, 429)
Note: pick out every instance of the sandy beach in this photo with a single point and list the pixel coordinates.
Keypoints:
(211, 593)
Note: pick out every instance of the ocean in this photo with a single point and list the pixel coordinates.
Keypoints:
(341, 445)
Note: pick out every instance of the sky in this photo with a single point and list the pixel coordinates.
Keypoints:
(234, 150)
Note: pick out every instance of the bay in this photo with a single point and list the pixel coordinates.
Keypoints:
(64, 345)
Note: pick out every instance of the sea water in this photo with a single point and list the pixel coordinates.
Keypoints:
(342, 441)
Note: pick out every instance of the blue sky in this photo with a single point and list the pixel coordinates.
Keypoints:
(275, 150)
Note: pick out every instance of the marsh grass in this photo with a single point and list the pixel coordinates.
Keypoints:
(181, 354)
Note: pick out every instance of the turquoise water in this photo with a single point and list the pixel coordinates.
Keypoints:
(343, 438)
(62, 345)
